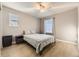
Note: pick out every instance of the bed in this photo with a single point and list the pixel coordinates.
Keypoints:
(39, 41)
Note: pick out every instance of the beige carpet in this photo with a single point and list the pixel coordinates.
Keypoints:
(60, 49)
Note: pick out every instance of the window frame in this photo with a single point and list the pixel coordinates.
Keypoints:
(52, 26)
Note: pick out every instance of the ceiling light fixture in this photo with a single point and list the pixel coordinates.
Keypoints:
(42, 6)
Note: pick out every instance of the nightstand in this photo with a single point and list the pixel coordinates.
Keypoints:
(6, 40)
(19, 39)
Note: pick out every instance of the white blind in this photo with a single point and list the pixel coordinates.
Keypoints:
(48, 26)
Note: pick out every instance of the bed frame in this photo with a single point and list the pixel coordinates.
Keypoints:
(40, 53)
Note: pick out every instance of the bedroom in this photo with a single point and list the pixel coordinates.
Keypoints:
(23, 19)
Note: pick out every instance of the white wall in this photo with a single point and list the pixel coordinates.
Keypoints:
(26, 22)
(65, 24)
(78, 27)
(0, 30)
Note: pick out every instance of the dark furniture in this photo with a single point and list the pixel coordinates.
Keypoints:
(7, 40)
(19, 39)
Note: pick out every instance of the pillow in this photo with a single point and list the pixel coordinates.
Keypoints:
(30, 32)
(33, 32)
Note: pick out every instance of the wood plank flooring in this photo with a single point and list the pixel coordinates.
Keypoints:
(60, 49)
(0, 52)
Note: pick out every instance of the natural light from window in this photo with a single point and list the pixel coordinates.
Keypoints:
(48, 26)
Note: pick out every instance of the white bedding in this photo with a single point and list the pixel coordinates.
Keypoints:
(39, 41)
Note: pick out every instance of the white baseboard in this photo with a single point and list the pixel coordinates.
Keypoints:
(67, 41)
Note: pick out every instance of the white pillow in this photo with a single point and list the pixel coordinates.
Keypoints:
(33, 32)
(28, 32)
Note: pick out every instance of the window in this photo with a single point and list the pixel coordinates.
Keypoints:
(13, 20)
(48, 26)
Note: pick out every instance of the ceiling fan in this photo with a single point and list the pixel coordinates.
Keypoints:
(42, 6)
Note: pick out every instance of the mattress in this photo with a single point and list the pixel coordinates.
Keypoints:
(39, 41)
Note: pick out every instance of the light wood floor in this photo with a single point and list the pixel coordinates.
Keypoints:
(0, 52)
(60, 49)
